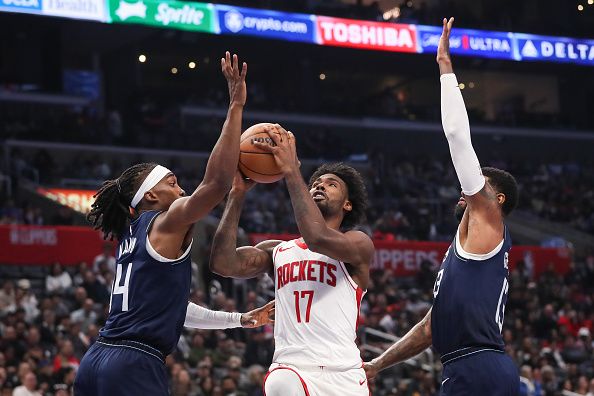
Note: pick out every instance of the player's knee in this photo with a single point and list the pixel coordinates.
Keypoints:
(283, 383)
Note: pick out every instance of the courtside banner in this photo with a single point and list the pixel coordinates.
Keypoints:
(478, 43)
(404, 258)
(366, 35)
(264, 23)
(79, 200)
(554, 49)
(44, 245)
(198, 17)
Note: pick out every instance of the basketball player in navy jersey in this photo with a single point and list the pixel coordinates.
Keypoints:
(464, 325)
(149, 302)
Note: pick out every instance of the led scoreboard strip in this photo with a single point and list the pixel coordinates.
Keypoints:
(314, 29)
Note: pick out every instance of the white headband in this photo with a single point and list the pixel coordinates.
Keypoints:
(158, 173)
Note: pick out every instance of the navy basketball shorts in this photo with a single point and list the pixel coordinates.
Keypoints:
(486, 373)
(120, 370)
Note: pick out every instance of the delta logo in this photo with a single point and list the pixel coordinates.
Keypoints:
(559, 50)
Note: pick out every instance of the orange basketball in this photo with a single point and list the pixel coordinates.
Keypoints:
(254, 162)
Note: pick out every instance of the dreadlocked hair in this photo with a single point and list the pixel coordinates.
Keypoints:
(110, 212)
(357, 192)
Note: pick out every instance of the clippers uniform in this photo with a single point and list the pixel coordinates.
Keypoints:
(147, 312)
(316, 318)
(470, 294)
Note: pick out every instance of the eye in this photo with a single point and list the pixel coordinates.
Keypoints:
(333, 185)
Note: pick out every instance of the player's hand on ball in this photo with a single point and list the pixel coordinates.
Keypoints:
(284, 148)
(235, 76)
(259, 316)
(241, 184)
(370, 370)
(443, 49)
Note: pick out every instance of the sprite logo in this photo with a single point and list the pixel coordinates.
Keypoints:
(184, 15)
(172, 13)
(127, 10)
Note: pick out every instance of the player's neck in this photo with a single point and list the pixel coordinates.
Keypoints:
(333, 222)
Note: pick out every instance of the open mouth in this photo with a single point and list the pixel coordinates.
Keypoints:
(318, 196)
(461, 201)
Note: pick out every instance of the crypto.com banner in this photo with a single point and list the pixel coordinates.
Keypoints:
(267, 24)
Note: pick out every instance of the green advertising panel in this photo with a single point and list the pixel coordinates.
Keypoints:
(197, 17)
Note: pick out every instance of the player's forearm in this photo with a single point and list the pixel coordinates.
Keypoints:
(457, 130)
(414, 342)
(223, 257)
(198, 317)
(224, 157)
(309, 219)
(445, 66)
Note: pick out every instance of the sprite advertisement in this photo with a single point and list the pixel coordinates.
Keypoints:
(198, 17)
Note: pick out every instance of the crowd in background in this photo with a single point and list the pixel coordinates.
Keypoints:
(412, 197)
(47, 323)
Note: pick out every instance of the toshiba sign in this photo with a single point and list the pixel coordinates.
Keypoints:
(368, 35)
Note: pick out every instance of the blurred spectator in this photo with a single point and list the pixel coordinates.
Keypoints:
(7, 295)
(58, 281)
(105, 259)
(65, 357)
(26, 300)
(95, 289)
(29, 387)
(85, 316)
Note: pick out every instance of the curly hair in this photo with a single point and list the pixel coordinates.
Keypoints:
(110, 212)
(357, 193)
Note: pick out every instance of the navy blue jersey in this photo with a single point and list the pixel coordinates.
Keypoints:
(150, 292)
(470, 293)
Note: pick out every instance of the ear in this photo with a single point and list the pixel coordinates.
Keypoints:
(500, 198)
(348, 206)
(151, 197)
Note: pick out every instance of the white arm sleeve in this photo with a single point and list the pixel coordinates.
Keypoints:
(457, 130)
(199, 317)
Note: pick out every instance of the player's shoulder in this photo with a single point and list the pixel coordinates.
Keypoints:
(359, 236)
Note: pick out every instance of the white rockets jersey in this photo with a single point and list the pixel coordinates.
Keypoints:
(317, 309)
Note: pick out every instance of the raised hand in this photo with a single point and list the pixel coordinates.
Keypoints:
(443, 49)
(283, 149)
(241, 184)
(235, 79)
(259, 316)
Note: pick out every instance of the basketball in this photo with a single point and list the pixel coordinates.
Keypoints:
(254, 162)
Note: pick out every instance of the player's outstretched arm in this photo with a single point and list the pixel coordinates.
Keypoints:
(414, 342)
(225, 258)
(353, 247)
(480, 197)
(198, 317)
(223, 159)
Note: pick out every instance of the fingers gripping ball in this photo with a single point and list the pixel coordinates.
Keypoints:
(254, 162)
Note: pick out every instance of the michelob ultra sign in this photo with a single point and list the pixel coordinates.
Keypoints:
(191, 16)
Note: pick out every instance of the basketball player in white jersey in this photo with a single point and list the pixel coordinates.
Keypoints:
(320, 278)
